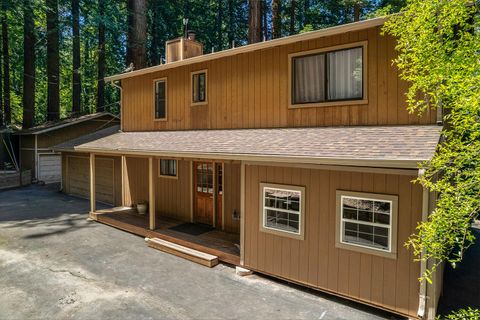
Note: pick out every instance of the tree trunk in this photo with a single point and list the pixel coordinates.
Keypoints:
(154, 54)
(137, 33)
(357, 10)
(293, 6)
(101, 58)
(28, 65)
(6, 66)
(264, 21)
(218, 26)
(254, 21)
(231, 23)
(53, 64)
(76, 80)
(276, 19)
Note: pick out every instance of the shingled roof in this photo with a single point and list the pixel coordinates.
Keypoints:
(381, 146)
(71, 144)
(54, 125)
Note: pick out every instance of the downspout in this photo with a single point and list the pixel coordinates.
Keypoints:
(121, 103)
(423, 264)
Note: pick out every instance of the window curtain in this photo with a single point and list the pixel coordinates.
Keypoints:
(309, 79)
(345, 74)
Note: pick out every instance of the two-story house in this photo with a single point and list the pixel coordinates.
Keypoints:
(292, 157)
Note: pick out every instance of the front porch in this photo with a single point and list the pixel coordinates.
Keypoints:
(222, 244)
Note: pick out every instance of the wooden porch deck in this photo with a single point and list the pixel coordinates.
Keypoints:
(221, 244)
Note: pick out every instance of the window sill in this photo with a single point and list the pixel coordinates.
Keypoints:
(283, 233)
(328, 104)
(160, 120)
(365, 250)
(168, 177)
(195, 104)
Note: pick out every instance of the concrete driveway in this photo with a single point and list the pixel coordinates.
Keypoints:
(54, 264)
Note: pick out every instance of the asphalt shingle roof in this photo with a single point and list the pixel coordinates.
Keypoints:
(412, 143)
(71, 144)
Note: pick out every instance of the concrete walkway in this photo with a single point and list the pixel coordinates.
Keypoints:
(54, 264)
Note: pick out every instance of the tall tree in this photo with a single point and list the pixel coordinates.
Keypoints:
(101, 57)
(28, 99)
(53, 61)
(137, 33)
(276, 19)
(218, 25)
(6, 65)
(231, 23)
(293, 6)
(254, 21)
(76, 79)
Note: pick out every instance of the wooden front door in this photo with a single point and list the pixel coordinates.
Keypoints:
(219, 195)
(203, 211)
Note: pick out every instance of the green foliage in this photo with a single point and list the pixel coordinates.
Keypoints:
(439, 47)
(463, 314)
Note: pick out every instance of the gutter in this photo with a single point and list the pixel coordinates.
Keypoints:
(121, 104)
(422, 303)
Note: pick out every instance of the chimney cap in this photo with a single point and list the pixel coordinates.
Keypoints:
(191, 34)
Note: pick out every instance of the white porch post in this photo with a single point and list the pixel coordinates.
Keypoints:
(151, 193)
(92, 183)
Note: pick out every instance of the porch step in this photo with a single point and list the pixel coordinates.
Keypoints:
(183, 252)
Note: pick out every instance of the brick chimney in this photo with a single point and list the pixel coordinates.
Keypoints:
(183, 48)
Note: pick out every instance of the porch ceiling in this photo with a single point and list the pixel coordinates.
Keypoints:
(378, 146)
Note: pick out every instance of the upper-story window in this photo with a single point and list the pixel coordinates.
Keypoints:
(161, 99)
(199, 87)
(324, 76)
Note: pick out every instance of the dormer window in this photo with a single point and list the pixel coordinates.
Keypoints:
(160, 99)
(199, 87)
(329, 76)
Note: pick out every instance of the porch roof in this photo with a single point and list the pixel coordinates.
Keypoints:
(375, 146)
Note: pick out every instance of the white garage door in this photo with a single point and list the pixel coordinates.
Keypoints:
(49, 168)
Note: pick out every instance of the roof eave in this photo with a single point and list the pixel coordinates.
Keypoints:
(53, 128)
(361, 162)
(355, 26)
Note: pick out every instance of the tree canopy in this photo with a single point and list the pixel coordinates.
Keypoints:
(439, 46)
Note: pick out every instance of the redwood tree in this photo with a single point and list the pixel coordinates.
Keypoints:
(6, 65)
(53, 61)
(28, 98)
(254, 21)
(101, 57)
(137, 33)
(276, 19)
(76, 79)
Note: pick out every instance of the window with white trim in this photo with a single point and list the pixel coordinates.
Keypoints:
(168, 167)
(282, 209)
(367, 221)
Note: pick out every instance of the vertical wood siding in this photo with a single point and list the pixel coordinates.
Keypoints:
(173, 195)
(315, 261)
(250, 90)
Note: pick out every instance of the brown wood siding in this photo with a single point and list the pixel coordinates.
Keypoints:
(135, 180)
(76, 177)
(173, 195)
(389, 283)
(231, 197)
(250, 90)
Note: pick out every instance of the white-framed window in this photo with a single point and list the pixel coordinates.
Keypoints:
(282, 209)
(367, 222)
(168, 168)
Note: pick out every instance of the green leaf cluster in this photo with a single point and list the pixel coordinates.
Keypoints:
(439, 56)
